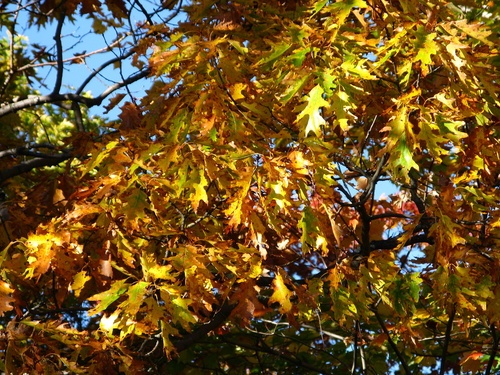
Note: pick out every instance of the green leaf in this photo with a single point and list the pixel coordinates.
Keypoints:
(356, 68)
(135, 297)
(450, 128)
(276, 52)
(426, 46)
(298, 57)
(318, 5)
(181, 313)
(109, 296)
(414, 281)
(238, 46)
(404, 156)
(327, 80)
(296, 86)
(309, 226)
(137, 202)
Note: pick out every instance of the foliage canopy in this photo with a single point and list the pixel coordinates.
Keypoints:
(305, 187)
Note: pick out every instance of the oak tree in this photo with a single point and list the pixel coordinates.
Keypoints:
(303, 187)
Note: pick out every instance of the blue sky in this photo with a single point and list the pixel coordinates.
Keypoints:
(78, 38)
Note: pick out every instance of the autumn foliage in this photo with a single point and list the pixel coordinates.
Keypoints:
(305, 187)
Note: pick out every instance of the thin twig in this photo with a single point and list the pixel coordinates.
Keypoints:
(101, 68)
(355, 349)
(321, 331)
(20, 7)
(363, 360)
(32, 65)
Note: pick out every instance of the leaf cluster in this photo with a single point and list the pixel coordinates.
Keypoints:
(306, 187)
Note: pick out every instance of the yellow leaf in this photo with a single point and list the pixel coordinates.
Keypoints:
(236, 201)
(298, 163)
(426, 47)
(41, 250)
(5, 299)
(79, 282)
(315, 101)
(448, 102)
(152, 270)
(109, 296)
(199, 193)
(107, 323)
(166, 331)
(236, 90)
(341, 105)
(135, 298)
(356, 68)
(281, 293)
(337, 231)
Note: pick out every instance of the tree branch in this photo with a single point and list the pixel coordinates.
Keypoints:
(33, 101)
(393, 345)
(365, 230)
(389, 215)
(26, 166)
(75, 106)
(101, 68)
(25, 151)
(447, 338)
(218, 319)
(59, 49)
(494, 349)
(392, 243)
(268, 350)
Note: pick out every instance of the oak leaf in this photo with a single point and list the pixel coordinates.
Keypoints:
(281, 293)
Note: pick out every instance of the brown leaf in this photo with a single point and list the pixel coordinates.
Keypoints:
(113, 102)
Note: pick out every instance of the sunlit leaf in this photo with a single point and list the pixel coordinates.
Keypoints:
(315, 120)
(281, 294)
(106, 298)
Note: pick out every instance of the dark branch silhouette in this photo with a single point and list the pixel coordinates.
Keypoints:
(37, 162)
